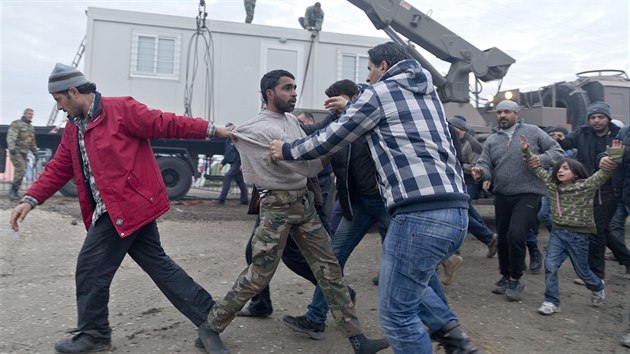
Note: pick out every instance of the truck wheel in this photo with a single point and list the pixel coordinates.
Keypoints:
(574, 99)
(177, 176)
(70, 189)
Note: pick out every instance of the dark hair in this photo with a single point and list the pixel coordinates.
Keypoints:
(389, 52)
(270, 81)
(575, 166)
(307, 114)
(342, 87)
(89, 87)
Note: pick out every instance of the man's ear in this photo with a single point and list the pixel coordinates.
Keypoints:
(384, 66)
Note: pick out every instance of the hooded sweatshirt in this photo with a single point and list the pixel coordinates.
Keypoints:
(403, 121)
(253, 138)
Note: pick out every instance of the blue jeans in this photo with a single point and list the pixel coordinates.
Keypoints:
(563, 243)
(416, 243)
(544, 214)
(477, 227)
(367, 210)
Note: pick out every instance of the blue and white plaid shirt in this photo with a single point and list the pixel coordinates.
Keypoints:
(404, 123)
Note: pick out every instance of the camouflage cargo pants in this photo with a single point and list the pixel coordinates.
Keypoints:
(250, 5)
(19, 162)
(281, 212)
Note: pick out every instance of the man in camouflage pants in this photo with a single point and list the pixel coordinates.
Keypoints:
(250, 5)
(286, 206)
(20, 140)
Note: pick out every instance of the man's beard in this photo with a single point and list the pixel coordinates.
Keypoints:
(285, 107)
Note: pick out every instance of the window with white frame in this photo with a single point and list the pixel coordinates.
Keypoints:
(154, 55)
(353, 67)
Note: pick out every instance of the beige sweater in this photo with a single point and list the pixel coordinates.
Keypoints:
(253, 138)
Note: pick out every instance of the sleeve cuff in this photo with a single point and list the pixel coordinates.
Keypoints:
(210, 132)
(28, 199)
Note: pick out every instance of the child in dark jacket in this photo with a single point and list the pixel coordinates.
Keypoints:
(571, 193)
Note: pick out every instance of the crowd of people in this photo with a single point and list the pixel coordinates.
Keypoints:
(398, 163)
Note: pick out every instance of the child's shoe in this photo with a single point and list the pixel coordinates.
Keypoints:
(548, 308)
(597, 299)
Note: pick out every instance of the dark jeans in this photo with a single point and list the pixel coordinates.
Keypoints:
(618, 222)
(515, 216)
(476, 226)
(103, 251)
(324, 185)
(603, 213)
(234, 173)
(292, 257)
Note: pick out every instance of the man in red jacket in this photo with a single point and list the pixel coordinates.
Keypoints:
(105, 147)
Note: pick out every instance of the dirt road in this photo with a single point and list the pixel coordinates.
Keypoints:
(37, 302)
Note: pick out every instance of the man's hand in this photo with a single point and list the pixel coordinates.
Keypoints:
(486, 186)
(336, 104)
(275, 149)
(18, 214)
(523, 141)
(476, 172)
(607, 164)
(223, 132)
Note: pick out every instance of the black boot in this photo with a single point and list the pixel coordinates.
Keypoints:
(535, 258)
(13, 195)
(454, 340)
(211, 340)
(362, 345)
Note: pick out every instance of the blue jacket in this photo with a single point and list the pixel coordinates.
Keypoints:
(403, 121)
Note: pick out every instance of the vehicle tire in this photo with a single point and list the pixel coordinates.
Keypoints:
(70, 189)
(574, 99)
(176, 175)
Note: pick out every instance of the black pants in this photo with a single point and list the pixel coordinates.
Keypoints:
(292, 257)
(103, 251)
(515, 216)
(604, 208)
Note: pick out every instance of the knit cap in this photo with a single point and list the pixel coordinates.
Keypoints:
(598, 107)
(64, 77)
(508, 105)
(458, 122)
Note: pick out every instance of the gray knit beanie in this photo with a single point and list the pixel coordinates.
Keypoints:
(64, 77)
(598, 107)
(458, 122)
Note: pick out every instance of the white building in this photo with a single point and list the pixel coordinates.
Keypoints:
(146, 56)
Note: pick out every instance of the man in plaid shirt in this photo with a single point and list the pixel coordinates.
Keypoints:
(422, 183)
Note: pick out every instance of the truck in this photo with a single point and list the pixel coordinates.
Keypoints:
(177, 158)
(561, 103)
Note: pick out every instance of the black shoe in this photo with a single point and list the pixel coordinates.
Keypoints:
(453, 339)
(211, 340)
(500, 286)
(82, 343)
(363, 345)
(304, 325)
(514, 290)
(13, 195)
(375, 280)
(249, 312)
(493, 246)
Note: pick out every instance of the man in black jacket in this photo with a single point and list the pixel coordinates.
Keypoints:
(590, 141)
(232, 157)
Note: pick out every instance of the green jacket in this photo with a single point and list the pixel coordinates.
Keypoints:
(21, 136)
(572, 205)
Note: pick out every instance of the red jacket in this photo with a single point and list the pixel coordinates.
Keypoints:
(124, 167)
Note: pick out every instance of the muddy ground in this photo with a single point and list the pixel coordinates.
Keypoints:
(37, 302)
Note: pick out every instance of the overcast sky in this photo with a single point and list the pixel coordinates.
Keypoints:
(551, 40)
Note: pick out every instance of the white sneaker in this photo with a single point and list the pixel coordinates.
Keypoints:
(548, 308)
(625, 340)
(597, 299)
